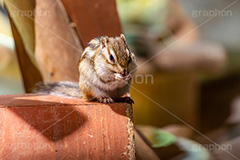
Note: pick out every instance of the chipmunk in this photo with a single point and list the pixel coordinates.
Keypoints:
(105, 68)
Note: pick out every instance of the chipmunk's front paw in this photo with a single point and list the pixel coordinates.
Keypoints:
(105, 100)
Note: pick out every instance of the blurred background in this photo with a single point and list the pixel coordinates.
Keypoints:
(188, 77)
(10, 77)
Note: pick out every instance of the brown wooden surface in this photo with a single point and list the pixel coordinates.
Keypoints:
(93, 18)
(49, 127)
(58, 48)
(23, 32)
(30, 74)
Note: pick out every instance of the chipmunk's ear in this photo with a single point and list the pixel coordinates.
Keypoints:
(122, 37)
(94, 43)
(104, 41)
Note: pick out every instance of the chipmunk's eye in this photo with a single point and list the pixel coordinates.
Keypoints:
(112, 58)
(129, 60)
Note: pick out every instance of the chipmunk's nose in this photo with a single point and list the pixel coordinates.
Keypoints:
(124, 73)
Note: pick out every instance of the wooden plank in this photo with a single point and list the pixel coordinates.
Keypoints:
(30, 74)
(58, 48)
(49, 127)
(93, 18)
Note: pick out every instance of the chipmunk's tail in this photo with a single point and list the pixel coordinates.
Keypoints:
(64, 89)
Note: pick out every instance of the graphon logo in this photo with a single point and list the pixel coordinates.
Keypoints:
(32, 146)
(212, 147)
(29, 13)
(142, 79)
(211, 13)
